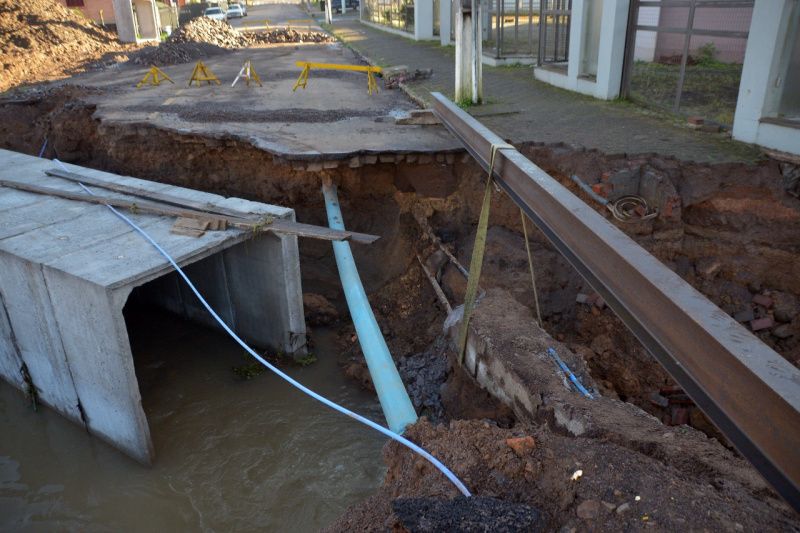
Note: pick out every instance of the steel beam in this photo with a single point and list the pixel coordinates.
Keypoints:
(749, 391)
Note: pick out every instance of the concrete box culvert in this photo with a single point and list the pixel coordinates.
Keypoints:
(68, 268)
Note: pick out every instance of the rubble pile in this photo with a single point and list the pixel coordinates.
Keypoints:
(288, 35)
(41, 40)
(203, 37)
(209, 31)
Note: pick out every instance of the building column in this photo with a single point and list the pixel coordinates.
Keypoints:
(611, 53)
(763, 75)
(577, 36)
(445, 22)
(423, 20)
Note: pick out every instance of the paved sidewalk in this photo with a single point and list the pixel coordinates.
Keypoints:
(522, 109)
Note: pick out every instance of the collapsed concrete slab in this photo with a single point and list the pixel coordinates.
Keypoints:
(67, 269)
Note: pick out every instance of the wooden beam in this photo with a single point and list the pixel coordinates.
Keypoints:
(272, 224)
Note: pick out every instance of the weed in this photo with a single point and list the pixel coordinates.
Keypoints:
(308, 360)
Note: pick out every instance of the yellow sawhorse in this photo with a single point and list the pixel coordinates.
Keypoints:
(154, 76)
(302, 81)
(201, 74)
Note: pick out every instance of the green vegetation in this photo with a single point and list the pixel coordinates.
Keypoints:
(308, 360)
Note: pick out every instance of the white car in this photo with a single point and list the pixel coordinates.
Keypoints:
(235, 11)
(242, 6)
(215, 13)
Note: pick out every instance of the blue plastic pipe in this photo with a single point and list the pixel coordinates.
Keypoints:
(396, 404)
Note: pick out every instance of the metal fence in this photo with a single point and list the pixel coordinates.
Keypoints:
(686, 56)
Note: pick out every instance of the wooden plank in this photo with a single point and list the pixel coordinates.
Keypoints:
(274, 225)
(166, 198)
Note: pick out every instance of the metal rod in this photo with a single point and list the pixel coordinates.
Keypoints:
(685, 56)
(749, 391)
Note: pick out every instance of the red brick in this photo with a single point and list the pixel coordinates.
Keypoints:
(521, 445)
(762, 323)
(695, 121)
(762, 300)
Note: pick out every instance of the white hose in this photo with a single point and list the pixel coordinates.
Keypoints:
(392, 435)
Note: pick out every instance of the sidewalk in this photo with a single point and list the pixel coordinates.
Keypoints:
(522, 109)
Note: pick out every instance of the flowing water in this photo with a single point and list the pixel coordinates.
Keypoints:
(232, 455)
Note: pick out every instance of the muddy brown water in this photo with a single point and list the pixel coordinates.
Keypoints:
(232, 455)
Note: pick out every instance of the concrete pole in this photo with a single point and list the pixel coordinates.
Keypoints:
(344, 7)
(469, 48)
(328, 12)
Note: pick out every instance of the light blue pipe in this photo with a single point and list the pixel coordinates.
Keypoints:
(396, 404)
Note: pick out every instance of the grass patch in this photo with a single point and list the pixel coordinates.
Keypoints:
(710, 88)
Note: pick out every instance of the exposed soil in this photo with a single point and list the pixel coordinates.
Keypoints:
(732, 231)
(42, 40)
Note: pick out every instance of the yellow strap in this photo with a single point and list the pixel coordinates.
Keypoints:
(530, 265)
(476, 263)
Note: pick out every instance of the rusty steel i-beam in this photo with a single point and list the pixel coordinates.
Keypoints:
(749, 391)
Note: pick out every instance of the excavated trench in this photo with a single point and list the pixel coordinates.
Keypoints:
(730, 230)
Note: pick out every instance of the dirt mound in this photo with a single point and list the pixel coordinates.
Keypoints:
(43, 40)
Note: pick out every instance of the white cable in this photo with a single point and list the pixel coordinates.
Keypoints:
(392, 435)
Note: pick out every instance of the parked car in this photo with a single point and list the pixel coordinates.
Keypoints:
(234, 11)
(242, 6)
(215, 13)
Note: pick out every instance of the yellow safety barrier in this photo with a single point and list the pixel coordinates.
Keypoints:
(201, 74)
(154, 76)
(302, 81)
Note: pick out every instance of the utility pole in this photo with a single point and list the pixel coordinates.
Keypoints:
(328, 12)
(469, 49)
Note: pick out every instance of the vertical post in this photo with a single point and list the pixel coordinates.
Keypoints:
(469, 86)
(630, 49)
(542, 31)
(344, 7)
(445, 21)
(423, 20)
(328, 12)
(477, 53)
(687, 40)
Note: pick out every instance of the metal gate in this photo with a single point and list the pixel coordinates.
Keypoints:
(554, 21)
(686, 56)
